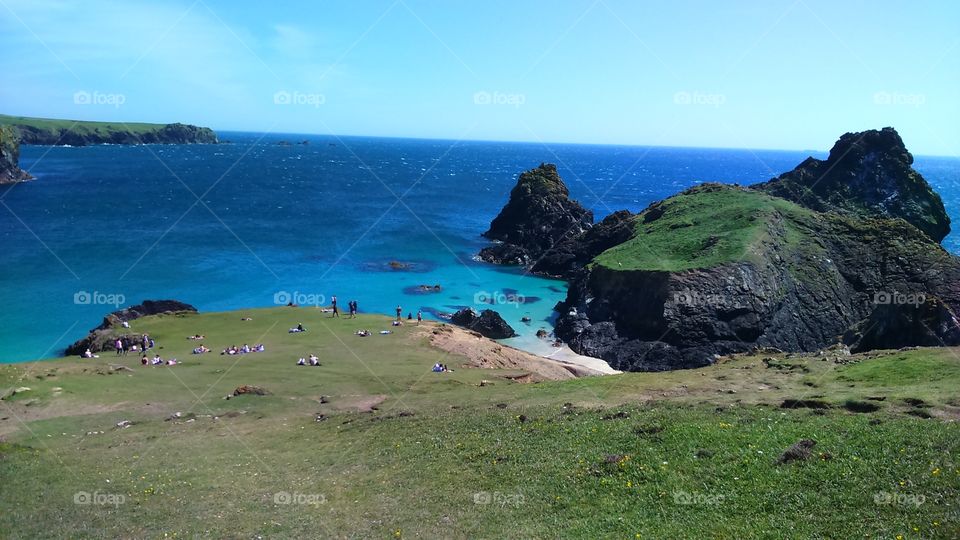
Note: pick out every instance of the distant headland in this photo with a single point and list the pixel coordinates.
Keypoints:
(48, 131)
(17, 130)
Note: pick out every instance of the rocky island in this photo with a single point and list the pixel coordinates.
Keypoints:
(838, 252)
(45, 131)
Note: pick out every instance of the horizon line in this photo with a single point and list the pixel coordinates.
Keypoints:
(544, 143)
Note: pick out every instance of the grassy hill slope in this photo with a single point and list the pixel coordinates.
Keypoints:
(402, 452)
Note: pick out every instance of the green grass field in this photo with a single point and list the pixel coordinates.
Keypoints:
(79, 126)
(402, 452)
(712, 226)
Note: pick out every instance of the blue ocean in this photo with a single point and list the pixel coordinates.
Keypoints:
(260, 223)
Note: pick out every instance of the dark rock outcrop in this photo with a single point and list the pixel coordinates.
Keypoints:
(538, 216)
(487, 323)
(854, 259)
(103, 336)
(576, 251)
(868, 173)
(10, 171)
(871, 284)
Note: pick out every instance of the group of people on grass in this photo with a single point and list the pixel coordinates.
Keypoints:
(124, 344)
(233, 349)
(144, 343)
(157, 361)
(313, 359)
(399, 319)
(334, 309)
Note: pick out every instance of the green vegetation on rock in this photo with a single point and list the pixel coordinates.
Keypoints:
(10, 157)
(702, 227)
(81, 132)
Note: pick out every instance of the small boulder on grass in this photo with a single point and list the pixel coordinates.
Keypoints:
(798, 451)
(250, 389)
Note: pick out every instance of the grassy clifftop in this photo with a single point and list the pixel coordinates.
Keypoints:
(82, 132)
(703, 227)
(80, 126)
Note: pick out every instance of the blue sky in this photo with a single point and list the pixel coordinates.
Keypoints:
(789, 74)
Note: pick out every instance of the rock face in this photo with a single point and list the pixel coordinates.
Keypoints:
(102, 337)
(574, 252)
(538, 216)
(721, 269)
(868, 283)
(10, 171)
(487, 323)
(868, 173)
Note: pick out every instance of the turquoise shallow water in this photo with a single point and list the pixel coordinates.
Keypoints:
(254, 222)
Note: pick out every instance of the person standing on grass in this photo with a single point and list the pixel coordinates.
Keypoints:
(419, 317)
(336, 311)
(353, 309)
(118, 344)
(399, 313)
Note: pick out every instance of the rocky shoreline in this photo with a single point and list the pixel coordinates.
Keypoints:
(843, 251)
(10, 171)
(103, 337)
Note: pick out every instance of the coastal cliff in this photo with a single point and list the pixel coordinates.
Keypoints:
(43, 131)
(10, 171)
(721, 269)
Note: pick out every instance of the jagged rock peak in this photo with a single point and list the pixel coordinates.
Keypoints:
(868, 173)
(538, 215)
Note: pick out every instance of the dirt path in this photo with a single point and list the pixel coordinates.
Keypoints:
(481, 352)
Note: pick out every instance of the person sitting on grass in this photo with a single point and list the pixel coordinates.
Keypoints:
(259, 347)
(144, 360)
(156, 360)
(363, 333)
(437, 368)
(314, 361)
(301, 362)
